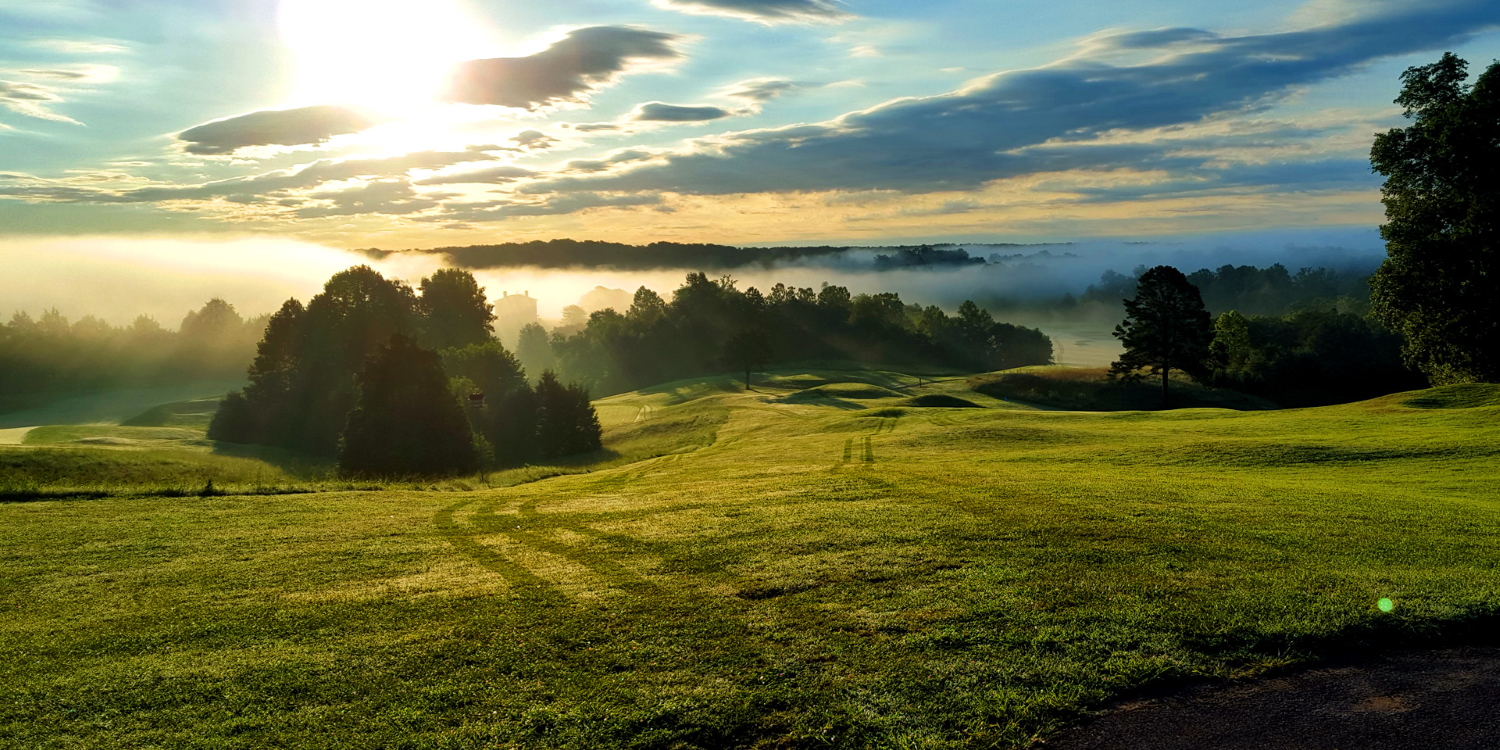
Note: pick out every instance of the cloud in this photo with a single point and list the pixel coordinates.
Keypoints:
(660, 112)
(534, 140)
(392, 197)
(566, 72)
(267, 187)
(275, 127)
(760, 90)
(32, 100)
(764, 11)
(555, 205)
(1013, 124)
(79, 46)
(492, 175)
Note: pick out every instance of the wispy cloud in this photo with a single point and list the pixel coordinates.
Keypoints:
(764, 11)
(661, 112)
(568, 71)
(274, 127)
(1014, 123)
(32, 100)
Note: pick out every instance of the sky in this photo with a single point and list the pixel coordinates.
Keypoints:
(341, 124)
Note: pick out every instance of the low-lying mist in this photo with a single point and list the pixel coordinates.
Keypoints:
(118, 279)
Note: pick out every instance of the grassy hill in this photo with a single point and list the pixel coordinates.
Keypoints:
(1091, 389)
(815, 563)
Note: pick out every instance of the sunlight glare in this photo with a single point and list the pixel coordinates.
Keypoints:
(388, 55)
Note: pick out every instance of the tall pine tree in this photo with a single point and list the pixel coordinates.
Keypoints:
(1166, 328)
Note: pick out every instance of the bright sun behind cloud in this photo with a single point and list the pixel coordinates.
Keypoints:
(388, 55)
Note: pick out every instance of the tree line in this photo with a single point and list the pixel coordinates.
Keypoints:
(712, 325)
(49, 356)
(1309, 357)
(1435, 312)
(569, 253)
(396, 381)
(1249, 290)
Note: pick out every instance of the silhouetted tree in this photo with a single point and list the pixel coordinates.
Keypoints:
(303, 381)
(455, 312)
(1440, 284)
(567, 423)
(1309, 358)
(1166, 328)
(507, 420)
(406, 423)
(748, 349)
(658, 341)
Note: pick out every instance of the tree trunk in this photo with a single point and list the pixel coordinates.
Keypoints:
(747, 378)
(1164, 372)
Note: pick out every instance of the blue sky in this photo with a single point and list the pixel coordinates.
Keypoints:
(359, 123)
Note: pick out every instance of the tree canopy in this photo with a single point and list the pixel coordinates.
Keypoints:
(1166, 328)
(1440, 284)
(658, 340)
(406, 422)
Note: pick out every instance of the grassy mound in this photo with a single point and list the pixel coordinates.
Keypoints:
(853, 390)
(94, 469)
(195, 413)
(940, 401)
(1466, 396)
(744, 572)
(1090, 389)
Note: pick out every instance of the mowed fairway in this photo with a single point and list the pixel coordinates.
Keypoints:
(807, 566)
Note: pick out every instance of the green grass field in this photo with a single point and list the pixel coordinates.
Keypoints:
(829, 560)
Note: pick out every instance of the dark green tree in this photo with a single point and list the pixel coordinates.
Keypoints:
(406, 423)
(303, 380)
(507, 418)
(567, 422)
(454, 310)
(1229, 354)
(748, 349)
(1440, 284)
(1166, 328)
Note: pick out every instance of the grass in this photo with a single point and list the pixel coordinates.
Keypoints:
(195, 413)
(1090, 389)
(745, 570)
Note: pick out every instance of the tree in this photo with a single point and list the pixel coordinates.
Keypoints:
(1166, 328)
(567, 422)
(1440, 283)
(407, 423)
(303, 382)
(455, 311)
(1229, 354)
(748, 349)
(534, 349)
(507, 420)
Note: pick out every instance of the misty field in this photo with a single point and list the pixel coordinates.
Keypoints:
(827, 561)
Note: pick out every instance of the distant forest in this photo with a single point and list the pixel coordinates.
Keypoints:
(656, 256)
(1250, 290)
(1306, 337)
(712, 326)
(48, 355)
(662, 256)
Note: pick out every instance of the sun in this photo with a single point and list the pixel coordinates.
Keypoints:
(390, 56)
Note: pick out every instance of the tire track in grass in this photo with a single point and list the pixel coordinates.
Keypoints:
(520, 580)
(613, 573)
